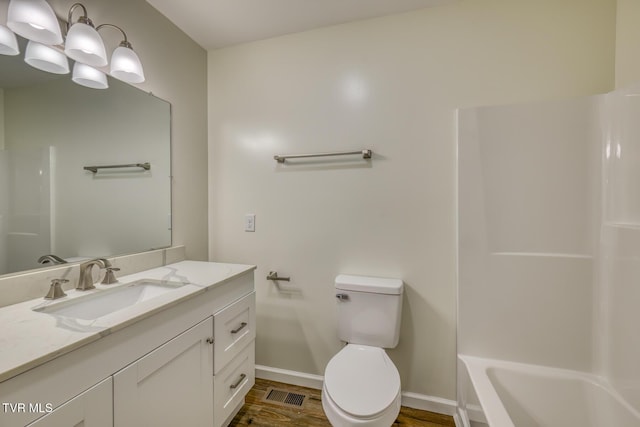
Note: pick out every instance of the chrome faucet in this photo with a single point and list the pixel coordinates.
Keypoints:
(85, 281)
(51, 258)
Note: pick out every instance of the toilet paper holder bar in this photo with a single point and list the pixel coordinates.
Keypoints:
(273, 275)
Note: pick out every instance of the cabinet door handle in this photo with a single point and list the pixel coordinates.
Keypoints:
(210, 340)
(239, 328)
(242, 377)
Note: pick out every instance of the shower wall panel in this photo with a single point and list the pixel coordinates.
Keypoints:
(528, 214)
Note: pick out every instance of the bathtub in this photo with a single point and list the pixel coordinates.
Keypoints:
(521, 395)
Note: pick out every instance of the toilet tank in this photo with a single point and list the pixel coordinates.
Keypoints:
(369, 310)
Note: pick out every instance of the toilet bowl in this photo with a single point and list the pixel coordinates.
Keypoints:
(361, 384)
(361, 388)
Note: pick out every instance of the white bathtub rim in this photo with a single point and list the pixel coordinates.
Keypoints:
(491, 403)
(494, 410)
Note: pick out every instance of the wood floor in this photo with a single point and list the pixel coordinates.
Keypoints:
(257, 413)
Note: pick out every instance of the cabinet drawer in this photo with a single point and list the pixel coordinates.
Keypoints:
(232, 383)
(233, 329)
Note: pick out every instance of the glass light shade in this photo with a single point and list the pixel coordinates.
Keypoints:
(126, 66)
(34, 20)
(88, 76)
(8, 42)
(85, 45)
(46, 58)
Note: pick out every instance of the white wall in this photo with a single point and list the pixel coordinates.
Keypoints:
(390, 84)
(175, 69)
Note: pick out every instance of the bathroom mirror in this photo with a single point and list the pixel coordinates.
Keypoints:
(50, 130)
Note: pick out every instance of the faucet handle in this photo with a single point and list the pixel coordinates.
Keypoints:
(55, 290)
(109, 277)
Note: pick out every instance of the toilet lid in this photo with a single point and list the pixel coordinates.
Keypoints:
(362, 380)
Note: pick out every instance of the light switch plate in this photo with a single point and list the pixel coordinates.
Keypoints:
(250, 222)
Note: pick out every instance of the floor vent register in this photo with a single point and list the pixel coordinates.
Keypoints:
(285, 398)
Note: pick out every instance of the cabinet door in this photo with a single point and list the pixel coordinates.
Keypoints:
(93, 408)
(171, 386)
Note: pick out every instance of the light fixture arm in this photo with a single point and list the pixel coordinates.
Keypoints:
(125, 64)
(84, 19)
(123, 43)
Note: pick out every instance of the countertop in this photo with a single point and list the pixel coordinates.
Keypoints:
(30, 338)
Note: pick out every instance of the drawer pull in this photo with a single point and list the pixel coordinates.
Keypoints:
(239, 328)
(242, 377)
(209, 340)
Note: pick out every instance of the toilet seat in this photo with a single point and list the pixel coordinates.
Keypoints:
(362, 381)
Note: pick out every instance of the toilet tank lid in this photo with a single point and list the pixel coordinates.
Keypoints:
(378, 285)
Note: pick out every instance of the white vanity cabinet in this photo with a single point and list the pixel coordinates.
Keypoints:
(175, 384)
(189, 364)
(171, 386)
(93, 408)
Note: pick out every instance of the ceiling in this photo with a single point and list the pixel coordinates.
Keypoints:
(218, 23)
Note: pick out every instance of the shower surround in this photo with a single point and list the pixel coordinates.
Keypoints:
(549, 240)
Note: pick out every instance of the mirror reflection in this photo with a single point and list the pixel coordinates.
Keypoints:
(50, 130)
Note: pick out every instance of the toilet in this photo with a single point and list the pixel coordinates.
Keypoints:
(361, 384)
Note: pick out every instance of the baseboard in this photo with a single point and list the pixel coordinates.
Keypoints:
(429, 403)
(409, 399)
(289, 377)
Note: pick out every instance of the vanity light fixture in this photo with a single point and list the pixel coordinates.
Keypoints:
(125, 64)
(46, 58)
(8, 42)
(86, 75)
(34, 20)
(83, 43)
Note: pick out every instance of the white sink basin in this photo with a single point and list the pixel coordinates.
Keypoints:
(108, 301)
